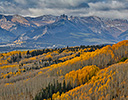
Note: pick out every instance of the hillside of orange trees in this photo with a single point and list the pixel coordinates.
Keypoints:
(71, 73)
(108, 84)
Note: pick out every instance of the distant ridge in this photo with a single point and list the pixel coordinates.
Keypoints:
(60, 31)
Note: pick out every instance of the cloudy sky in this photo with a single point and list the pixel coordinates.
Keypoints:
(101, 8)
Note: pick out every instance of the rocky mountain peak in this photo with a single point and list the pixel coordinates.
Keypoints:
(65, 17)
(20, 19)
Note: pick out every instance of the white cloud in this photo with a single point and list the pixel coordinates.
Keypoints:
(114, 14)
(110, 9)
(102, 8)
(113, 5)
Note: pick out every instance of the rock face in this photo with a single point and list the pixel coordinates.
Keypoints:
(49, 30)
(18, 25)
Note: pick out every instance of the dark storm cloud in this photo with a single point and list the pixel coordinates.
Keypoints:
(102, 8)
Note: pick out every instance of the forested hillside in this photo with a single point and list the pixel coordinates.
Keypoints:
(71, 73)
(109, 84)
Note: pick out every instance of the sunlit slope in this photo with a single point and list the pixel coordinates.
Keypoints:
(102, 58)
(109, 84)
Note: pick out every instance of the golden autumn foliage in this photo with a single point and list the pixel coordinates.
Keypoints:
(81, 76)
(40, 72)
(101, 57)
(32, 58)
(7, 66)
(109, 83)
(31, 71)
(55, 95)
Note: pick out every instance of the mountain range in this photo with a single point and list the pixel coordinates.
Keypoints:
(60, 31)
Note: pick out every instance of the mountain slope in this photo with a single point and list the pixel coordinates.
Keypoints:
(18, 24)
(6, 36)
(60, 31)
(110, 83)
(124, 35)
(74, 31)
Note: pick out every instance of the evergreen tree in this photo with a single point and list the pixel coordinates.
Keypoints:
(64, 86)
(28, 52)
(20, 55)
